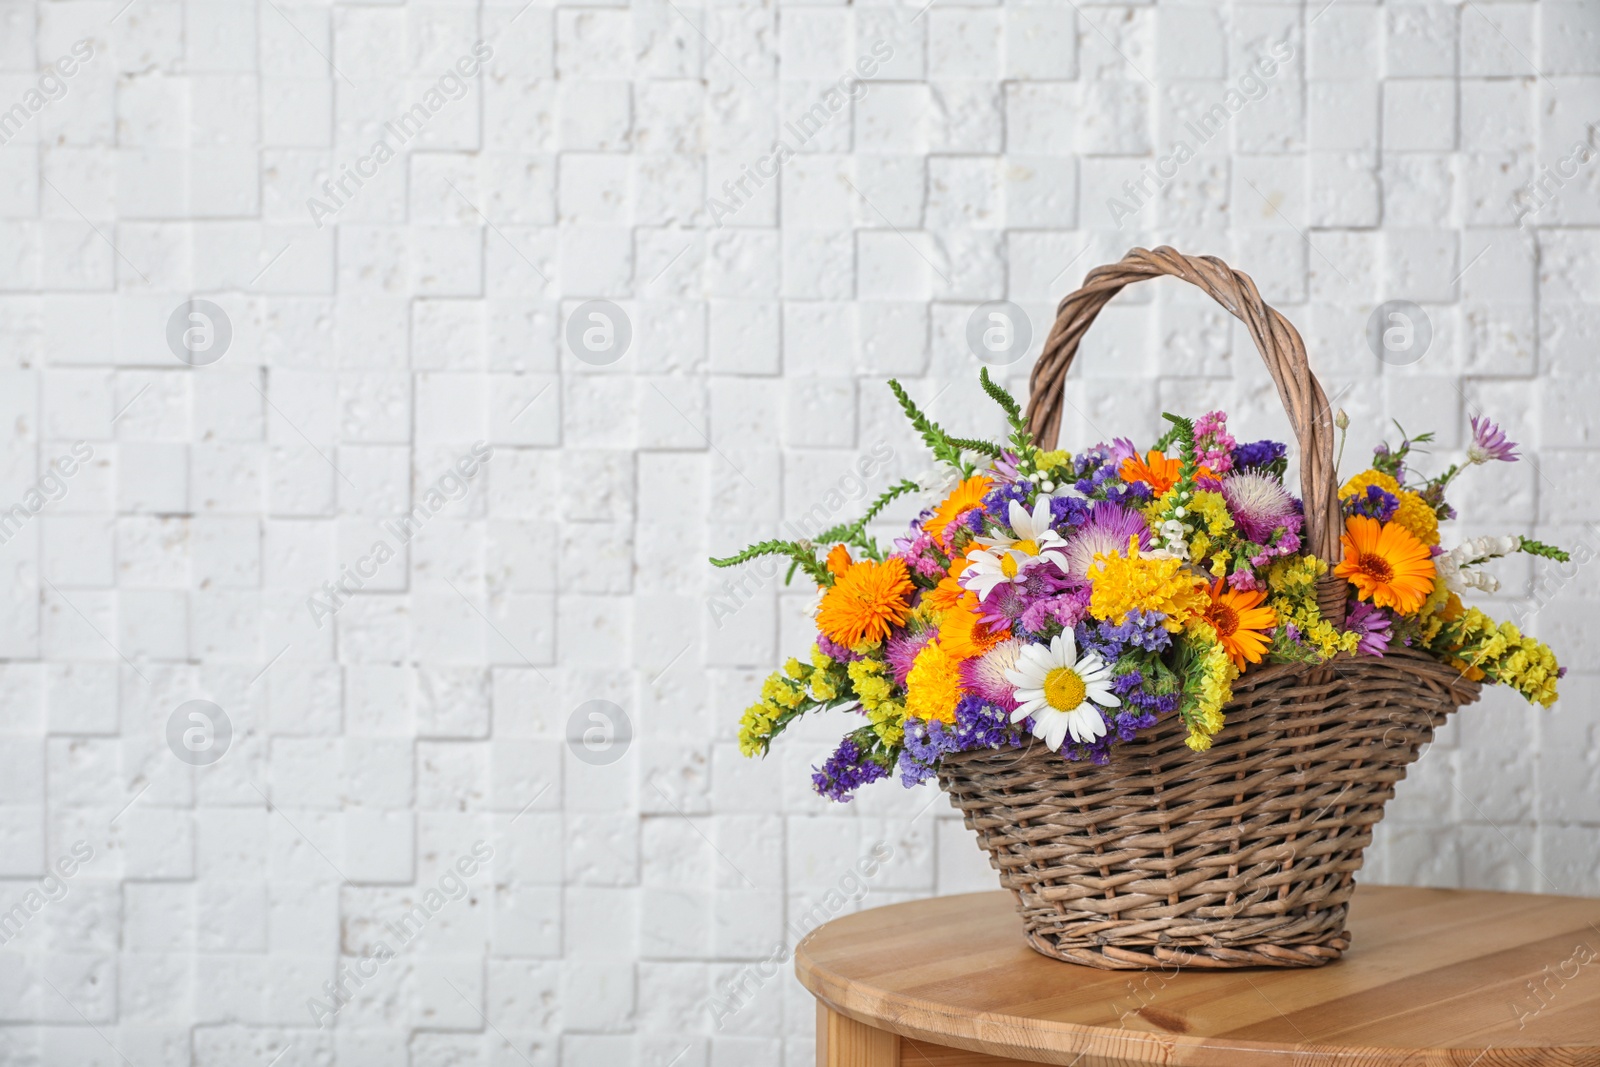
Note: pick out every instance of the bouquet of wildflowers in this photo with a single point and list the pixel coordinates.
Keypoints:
(1076, 600)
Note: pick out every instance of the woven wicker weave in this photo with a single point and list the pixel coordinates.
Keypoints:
(1244, 855)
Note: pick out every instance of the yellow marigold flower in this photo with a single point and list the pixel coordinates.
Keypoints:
(1124, 583)
(1414, 513)
(933, 687)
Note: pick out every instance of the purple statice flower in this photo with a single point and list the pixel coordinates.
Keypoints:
(1489, 443)
(913, 552)
(835, 651)
(1245, 578)
(1068, 511)
(1009, 601)
(1376, 503)
(1066, 609)
(1213, 443)
(1259, 504)
(1107, 530)
(997, 504)
(848, 769)
(1259, 455)
(1373, 626)
(980, 724)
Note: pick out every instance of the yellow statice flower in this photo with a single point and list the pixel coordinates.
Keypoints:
(889, 721)
(1212, 677)
(872, 681)
(1414, 513)
(1480, 648)
(1212, 511)
(1049, 461)
(1293, 584)
(1125, 583)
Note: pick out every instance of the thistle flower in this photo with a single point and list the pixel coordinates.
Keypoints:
(1260, 505)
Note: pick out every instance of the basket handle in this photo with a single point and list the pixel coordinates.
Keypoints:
(1281, 348)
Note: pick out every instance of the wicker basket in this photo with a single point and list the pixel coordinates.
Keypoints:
(1244, 855)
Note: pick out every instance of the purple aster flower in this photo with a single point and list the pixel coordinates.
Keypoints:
(848, 769)
(1376, 503)
(1005, 468)
(1373, 626)
(1121, 449)
(985, 676)
(1489, 443)
(1107, 530)
(1259, 503)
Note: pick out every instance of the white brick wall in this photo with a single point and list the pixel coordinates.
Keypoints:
(587, 160)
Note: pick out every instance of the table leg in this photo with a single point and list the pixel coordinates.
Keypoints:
(843, 1042)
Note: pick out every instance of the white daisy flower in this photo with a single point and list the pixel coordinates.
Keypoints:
(1060, 690)
(1007, 558)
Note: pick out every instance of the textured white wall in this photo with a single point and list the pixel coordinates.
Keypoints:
(381, 733)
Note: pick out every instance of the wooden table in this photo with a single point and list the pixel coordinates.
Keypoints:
(1432, 977)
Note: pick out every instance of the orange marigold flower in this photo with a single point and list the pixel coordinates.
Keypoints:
(865, 601)
(1241, 622)
(1157, 470)
(1386, 563)
(962, 633)
(967, 496)
(838, 560)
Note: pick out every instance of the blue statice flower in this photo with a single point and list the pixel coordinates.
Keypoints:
(1141, 631)
(1068, 511)
(978, 724)
(1260, 455)
(998, 503)
(848, 769)
(1376, 503)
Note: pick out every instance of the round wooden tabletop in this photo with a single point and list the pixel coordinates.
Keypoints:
(1433, 977)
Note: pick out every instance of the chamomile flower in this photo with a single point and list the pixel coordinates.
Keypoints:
(1062, 692)
(1006, 558)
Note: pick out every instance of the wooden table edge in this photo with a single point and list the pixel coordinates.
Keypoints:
(1094, 1045)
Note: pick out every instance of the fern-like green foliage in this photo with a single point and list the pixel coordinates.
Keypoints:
(1539, 548)
(855, 533)
(933, 435)
(804, 556)
(1021, 440)
(1183, 489)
